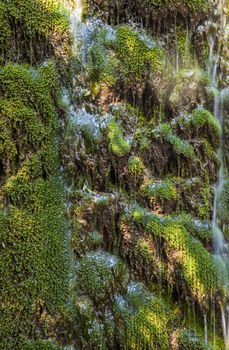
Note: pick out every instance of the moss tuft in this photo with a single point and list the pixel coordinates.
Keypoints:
(197, 266)
(118, 145)
(135, 166)
(162, 190)
(179, 146)
(136, 55)
(34, 263)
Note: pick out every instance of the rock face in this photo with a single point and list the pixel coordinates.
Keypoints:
(108, 161)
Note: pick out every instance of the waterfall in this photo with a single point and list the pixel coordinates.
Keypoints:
(79, 31)
(220, 246)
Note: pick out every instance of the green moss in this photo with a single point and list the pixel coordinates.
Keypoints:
(195, 195)
(224, 204)
(99, 274)
(29, 117)
(103, 63)
(197, 267)
(34, 21)
(147, 325)
(34, 263)
(203, 123)
(179, 146)
(121, 56)
(182, 42)
(205, 207)
(163, 190)
(201, 117)
(135, 166)
(94, 240)
(196, 228)
(143, 250)
(117, 143)
(136, 55)
(143, 136)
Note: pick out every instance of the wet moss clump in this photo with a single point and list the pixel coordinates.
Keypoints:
(197, 266)
(117, 144)
(163, 190)
(135, 166)
(34, 262)
(99, 274)
(31, 31)
(136, 54)
(148, 325)
(179, 146)
(189, 341)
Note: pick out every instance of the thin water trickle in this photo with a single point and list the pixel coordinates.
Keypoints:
(220, 246)
(79, 31)
(205, 329)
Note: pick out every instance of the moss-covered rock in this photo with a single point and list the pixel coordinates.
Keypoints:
(197, 266)
(100, 274)
(162, 190)
(135, 166)
(117, 144)
(34, 263)
(31, 31)
(180, 147)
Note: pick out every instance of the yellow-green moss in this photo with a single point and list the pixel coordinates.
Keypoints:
(163, 190)
(180, 147)
(117, 144)
(34, 262)
(45, 23)
(136, 55)
(146, 320)
(197, 267)
(135, 166)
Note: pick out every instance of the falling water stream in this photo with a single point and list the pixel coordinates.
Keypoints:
(220, 246)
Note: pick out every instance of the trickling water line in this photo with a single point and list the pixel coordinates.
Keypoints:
(205, 329)
(220, 246)
(79, 31)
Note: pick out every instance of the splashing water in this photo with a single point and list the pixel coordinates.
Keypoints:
(220, 246)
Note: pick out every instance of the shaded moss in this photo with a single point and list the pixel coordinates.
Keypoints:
(99, 274)
(190, 342)
(189, 90)
(41, 345)
(135, 166)
(196, 5)
(118, 145)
